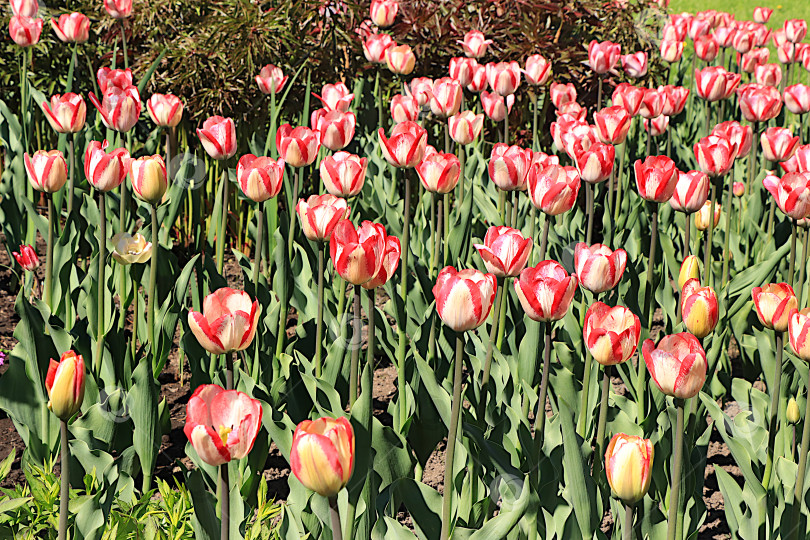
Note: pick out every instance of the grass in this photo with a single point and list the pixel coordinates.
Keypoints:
(744, 9)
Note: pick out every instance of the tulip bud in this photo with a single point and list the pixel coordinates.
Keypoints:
(27, 258)
(505, 251)
(25, 31)
(343, 174)
(400, 59)
(445, 100)
(322, 455)
(131, 249)
(546, 291)
(677, 364)
(271, 79)
(690, 269)
(562, 94)
(119, 107)
(774, 302)
(105, 171)
(218, 137)
(47, 170)
(24, 8)
(738, 189)
(465, 126)
(792, 413)
(406, 146)
(384, 12)
(438, 172)
(538, 70)
(404, 109)
(319, 214)
(297, 147)
(611, 333)
(72, 28)
(602, 56)
(66, 113)
(475, 44)
(497, 107)
(553, 189)
(374, 47)
(148, 176)
(118, 9)
(227, 323)
(166, 110)
(598, 267)
(699, 308)
(508, 166)
(65, 385)
(628, 465)
(798, 328)
(464, 298)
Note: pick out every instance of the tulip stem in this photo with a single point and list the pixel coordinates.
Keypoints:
(589, 206)
(618, 206)
(792, 262)
(134, 345)
(803, 268)
(64, 488)
(433, 236)
(402, 324)
(603, 407)
(726, 254)
(258, 256)
(676, 472)
(532, 227)
(150, 309)
(709, 235)
(540, 415)
(358, 328)
(752, 158)
(648, 310)
(101, 283)
(225, 502)
(447, 497)
(583, 400)
(499, 305)
(462, 160)
(49, 256)
(229, 361)
(334, 514)
(627, 526)
(599, 94)
(319, 330)
(798, 495)
(220, 255)
(774, 418)
(544, 237)
(71, 142)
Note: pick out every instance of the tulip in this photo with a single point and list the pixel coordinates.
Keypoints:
(791, 192)
(690, 269)
(299, 146)
(26, 258)
(578, 138)
(715, 155)
(322, 454)
(703, 220)
(546, 291)
(24, 8)
(384, 12)
(271, 79)
(118, 9)
(462, 69)
(635, 65)
(787, 52)
(774, 303)
(343, 174)
(131, 249)
(375, 46)
(596, 163)
(148, 176)
(439, 173)
(699, 308)
(105, 171)
(503, 77)
(656, 178)
(778, 144)
(760, 103)
(166, 110)
(602, 56)
(671, 50)
(738, 189)
(652, 104)
(218, 137)
(406, 146)
(465, 126)
(475, 44)
(798, 328)
(598, 267)
(508, 166)
(611, 334)
(320, 214)
(768, 74)
(335, 97)
(657, 126)
(715, 83)
(72, 28)
(390, 261)
(612, 124)
(445, 100)
(737, 134)
(65, 385)
(66, 113)
(421, 88)
(122, 78)
(400, 59)
(677, 364)
(553, 189)
(762, 14)
(756, 57)
(691, 192)
(797, 98)
(792, 413)
(800, 161)
(336, 129)
(706, 47)
(698, 27)
(674, 99)
(496, 106)
(119, 108)
(537, 70)
(795, 30)
(25, 31)
(628, 465)
(404, 108)
(227, 322)
(572, 108)
(564, 124)
(259, 178)
(222, 425)
(47, 170)
(675, 29)
(629, 97)
(724, 36)
(478, 82)
(744, 41)
(562, 94)
(357, 254)
(505, 251)
(464, 298)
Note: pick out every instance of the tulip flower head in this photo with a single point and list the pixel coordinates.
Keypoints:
(149, 180)
(595, 163)
(118, 9)
(390, 261)
(218, 137)
(478, 81)
(628, 96)
(336, 129)
(406, 146)
(421, 88)
(335, 97)
(738, 189)
(762, 14)
(612, 124)
(656, 178)
(691, 192)
(671, 50)
(657, 126)
(508, 166)
(677, 364)
(72, 28)
(404, 108)
(778, 144)
(65, 385)
(131, 249)
(505, 251)
(715, 155)
(706, 47)
(603, 56)
(737, 134)
(384, 12)
(598, 267)
(271, 79)
(756, 57)
(122, 78)
(322, 455)
(465, 126)
(798, 330)
(703, 217)
(774, 302)
(475, 44)
(496, 106)
(760, 103)
(791, 192)
(797, 98)
(562, 94)
(652, 104)
(47, 170)
(298, 147)
(438, 172)
(611, 333)
(119, 107)
(343, 174)
(227, 322)
(320, 214)
(545, 291)
(27, 258)
(635, 65)
(24, 8)
(714, 83)
(25, 31)
(105, 171)
(462, 69)
(503, 77)
(690, 269)
(66, 113)
(537, 70)
(464, 298)
(445, 100)
(795, 30)
(375, 45)
(166, 110)
(674, 99)
(400, 59)
(259, 178)
(744, 41)
(222, 425)
(553, 189)
(357, 254)
(768, 74)
(628, 465)
(699, 308)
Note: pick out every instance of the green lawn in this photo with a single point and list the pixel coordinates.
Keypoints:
(744, 9)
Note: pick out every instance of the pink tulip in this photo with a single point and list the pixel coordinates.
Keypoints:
(724, 36)
(445, 100)
(438, 172)
(572, 108)
(546, 291)
(503, 77)
(677, 364)
(635, 65)
(611, 333)
(791, 192)
(404, 108)
(699, 308)
(595, 164)
(774, 303)
(652, 104)
(222, 425)
(119, 108)
(47, 170)
(66, 113)
(227, 323)
(706, 47)
(166, 110)
(218, 137)
(564, 124)
(552, 188)
(598, 267)
(465, 126)
(26, 258)
(698, 27)
(400, 59)
(786, 52)
(795, 30)
(603, 56)
(384, 12)
(656, 178)
(715, 155)
(778, 144)
(105, 171)
(737, 134)
(25, 31)
(496, 106)
(343, 174)
(298, 147)
(375, 46)
(320, 214)
(260, 178)
(406, 146)
(762, 14)
(357, 254)
(72, 28)
(107, 78)
(118, 9)
(674, 99)
(671, 50)
(475, 44)
(750, 60)
(562, 94)
(421, 88)
(24, 8)
(508, 166)
(390, 261)
(578, 139)
(537, 70)
(336, 129)
(715, 83)
(464, 298)
(462, 69)
(271, 79)
(628, 96)
(612, 124)
(760, 103)
(691, 192)
(478, 82)
(768, 74)
(738, 188)
(505, 251)
(657, 126)
(799, 161)
(744, 41)
(674, 32)
(335, 97)
(797, 98)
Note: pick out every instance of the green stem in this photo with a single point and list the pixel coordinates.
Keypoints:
(334, 515)
(358, 328)
(150, 309)
(532, 228)
(627, 526)
(792, 264)
(402, 324)
(258, 257)
(676, 472)
(499, 305)
(433, 236)
(225, 501)
(72, 162)
(774, 418)
(618, 206)
(726, 241)
(371, 330)
(135, 312)
(124, 45)
(452, 435)
(583, 401)
(462, 160)
(64, 488)
(102, 255)
(540, 417)
(803, 267)
(544, 238)
(319, 330)
(223, 224)
(603, 407)
(707, 254)
(49, 256)
(752, 159)
(590, 207)
(648, 310)
(798, 494)
(229, 358)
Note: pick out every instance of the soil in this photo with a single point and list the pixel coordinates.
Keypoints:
(276, 468)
